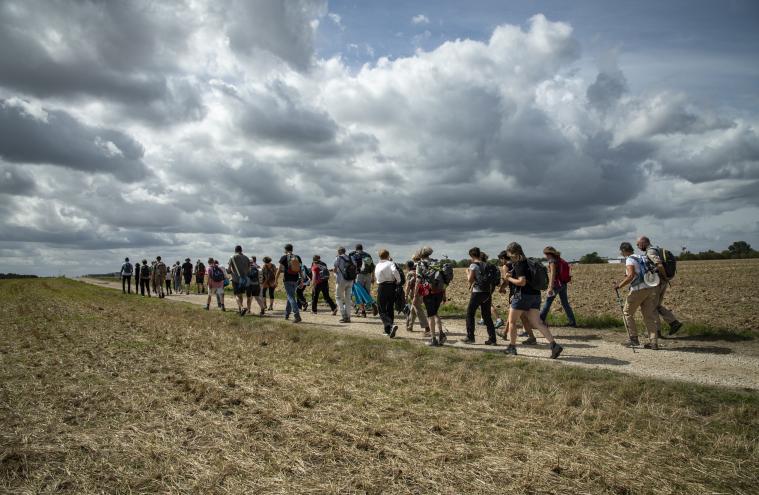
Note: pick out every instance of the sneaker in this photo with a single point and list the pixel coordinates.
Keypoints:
(223, 308)
(467, 340)
(262, 312)
(433, 343)
(652, 346)
(426, 332)
(490, 342)
(481, 321)
(375, 311)
(392, 332)
(443, 338)
(631, 343)
(343, 320)
(208, 307)
(523, 333)
(297, 319)
(572, 325)
(243, 311)
(555, 350)
(674, 327)
(363, 314)
(511, 350)
(287, 317)
(334, 312)
(530, 341)
(498, 323)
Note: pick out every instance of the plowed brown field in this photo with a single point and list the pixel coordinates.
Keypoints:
(720, 294)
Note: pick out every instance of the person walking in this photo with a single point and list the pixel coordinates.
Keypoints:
(640, 295)
(160, 276)
(365, 277)
(187, 270)
(168, 282)
(388, 278)
(137, 268)
(290, 267)
(497, 320)
(253, 291)
(507, 271)
(268, 280)
(145, 278)
(216, 278)
(655, 256)
(126, 277)
(238, 267)
(416, 308)
(320, 285)
(303, 282)
(345, 275)
(558, 280)
(526, 300)
(200, 276)
(432, 295)
(480, 298)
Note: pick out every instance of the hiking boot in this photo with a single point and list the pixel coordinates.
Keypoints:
(530, 341)
(651, 345)
(490, 342)
(511, 350)
(297, 319)
(555, 350)
(392, 332)
(498, 323)
(467, 340)
(443, 338)
(631, 343)
(433, 343)
(674, 327)
(375, 311)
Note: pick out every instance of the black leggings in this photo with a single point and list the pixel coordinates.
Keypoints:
(483, 301)
(126, 283)
(321, 288)
(145, 285)
(168, 286)
(386, 303)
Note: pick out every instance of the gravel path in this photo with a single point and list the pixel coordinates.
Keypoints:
(687, 360)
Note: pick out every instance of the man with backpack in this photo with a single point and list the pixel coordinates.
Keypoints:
(559, 275)
(187, 270)
(200, 276)
(126, 277)
(432, 279)
(365, 277)
(160, 276)
(145, 277)
(493, 274)
(481, 297)
(216, 278)
(320, 285)
(290, 267)
(254, 287)
(238, 267)
(345, 274)
(666, 266)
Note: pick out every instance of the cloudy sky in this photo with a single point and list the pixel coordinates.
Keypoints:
(183, 128)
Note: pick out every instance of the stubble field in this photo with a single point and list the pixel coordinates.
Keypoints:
(705, 294)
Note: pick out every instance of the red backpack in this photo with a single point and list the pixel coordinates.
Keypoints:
(565, 271)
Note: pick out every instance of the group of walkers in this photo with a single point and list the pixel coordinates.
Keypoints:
(417, 289)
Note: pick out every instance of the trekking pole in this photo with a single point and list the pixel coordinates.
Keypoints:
(622, 307)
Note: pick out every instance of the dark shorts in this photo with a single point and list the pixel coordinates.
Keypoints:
(237, 289)
(253, 291)
(432, 303)
(525, 302)
(199, 279)
(187, 279)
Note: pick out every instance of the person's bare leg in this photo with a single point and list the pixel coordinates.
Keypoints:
(533, 316)
(514, 315)
(527, 326)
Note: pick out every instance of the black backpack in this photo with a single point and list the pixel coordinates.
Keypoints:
(669, 261)
(253, 276)
(323, 271)
(217, 274)
(492, 276)
(349, 268)
(403, 274)
(538, 279)
(127, 267)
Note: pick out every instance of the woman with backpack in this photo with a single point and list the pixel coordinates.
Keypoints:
(268, 280)
(558, 279)
(526, 298)
(432, 295)
(320, 285)
(216, 277)
(507, 270)
(481, 297)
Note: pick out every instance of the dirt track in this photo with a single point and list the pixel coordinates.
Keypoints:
(683, 359)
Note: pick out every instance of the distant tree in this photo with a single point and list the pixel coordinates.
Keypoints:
(591, 258)
(740, 249)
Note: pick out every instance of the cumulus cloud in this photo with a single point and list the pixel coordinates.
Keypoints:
(223, 125)
(420, 19)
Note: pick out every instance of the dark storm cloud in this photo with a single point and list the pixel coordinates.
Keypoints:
(56, 138)
(607, 89)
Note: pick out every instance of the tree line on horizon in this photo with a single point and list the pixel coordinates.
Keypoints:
(736, 250)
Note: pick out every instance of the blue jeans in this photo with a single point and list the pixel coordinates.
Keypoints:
(292, 302)
(562, 293)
